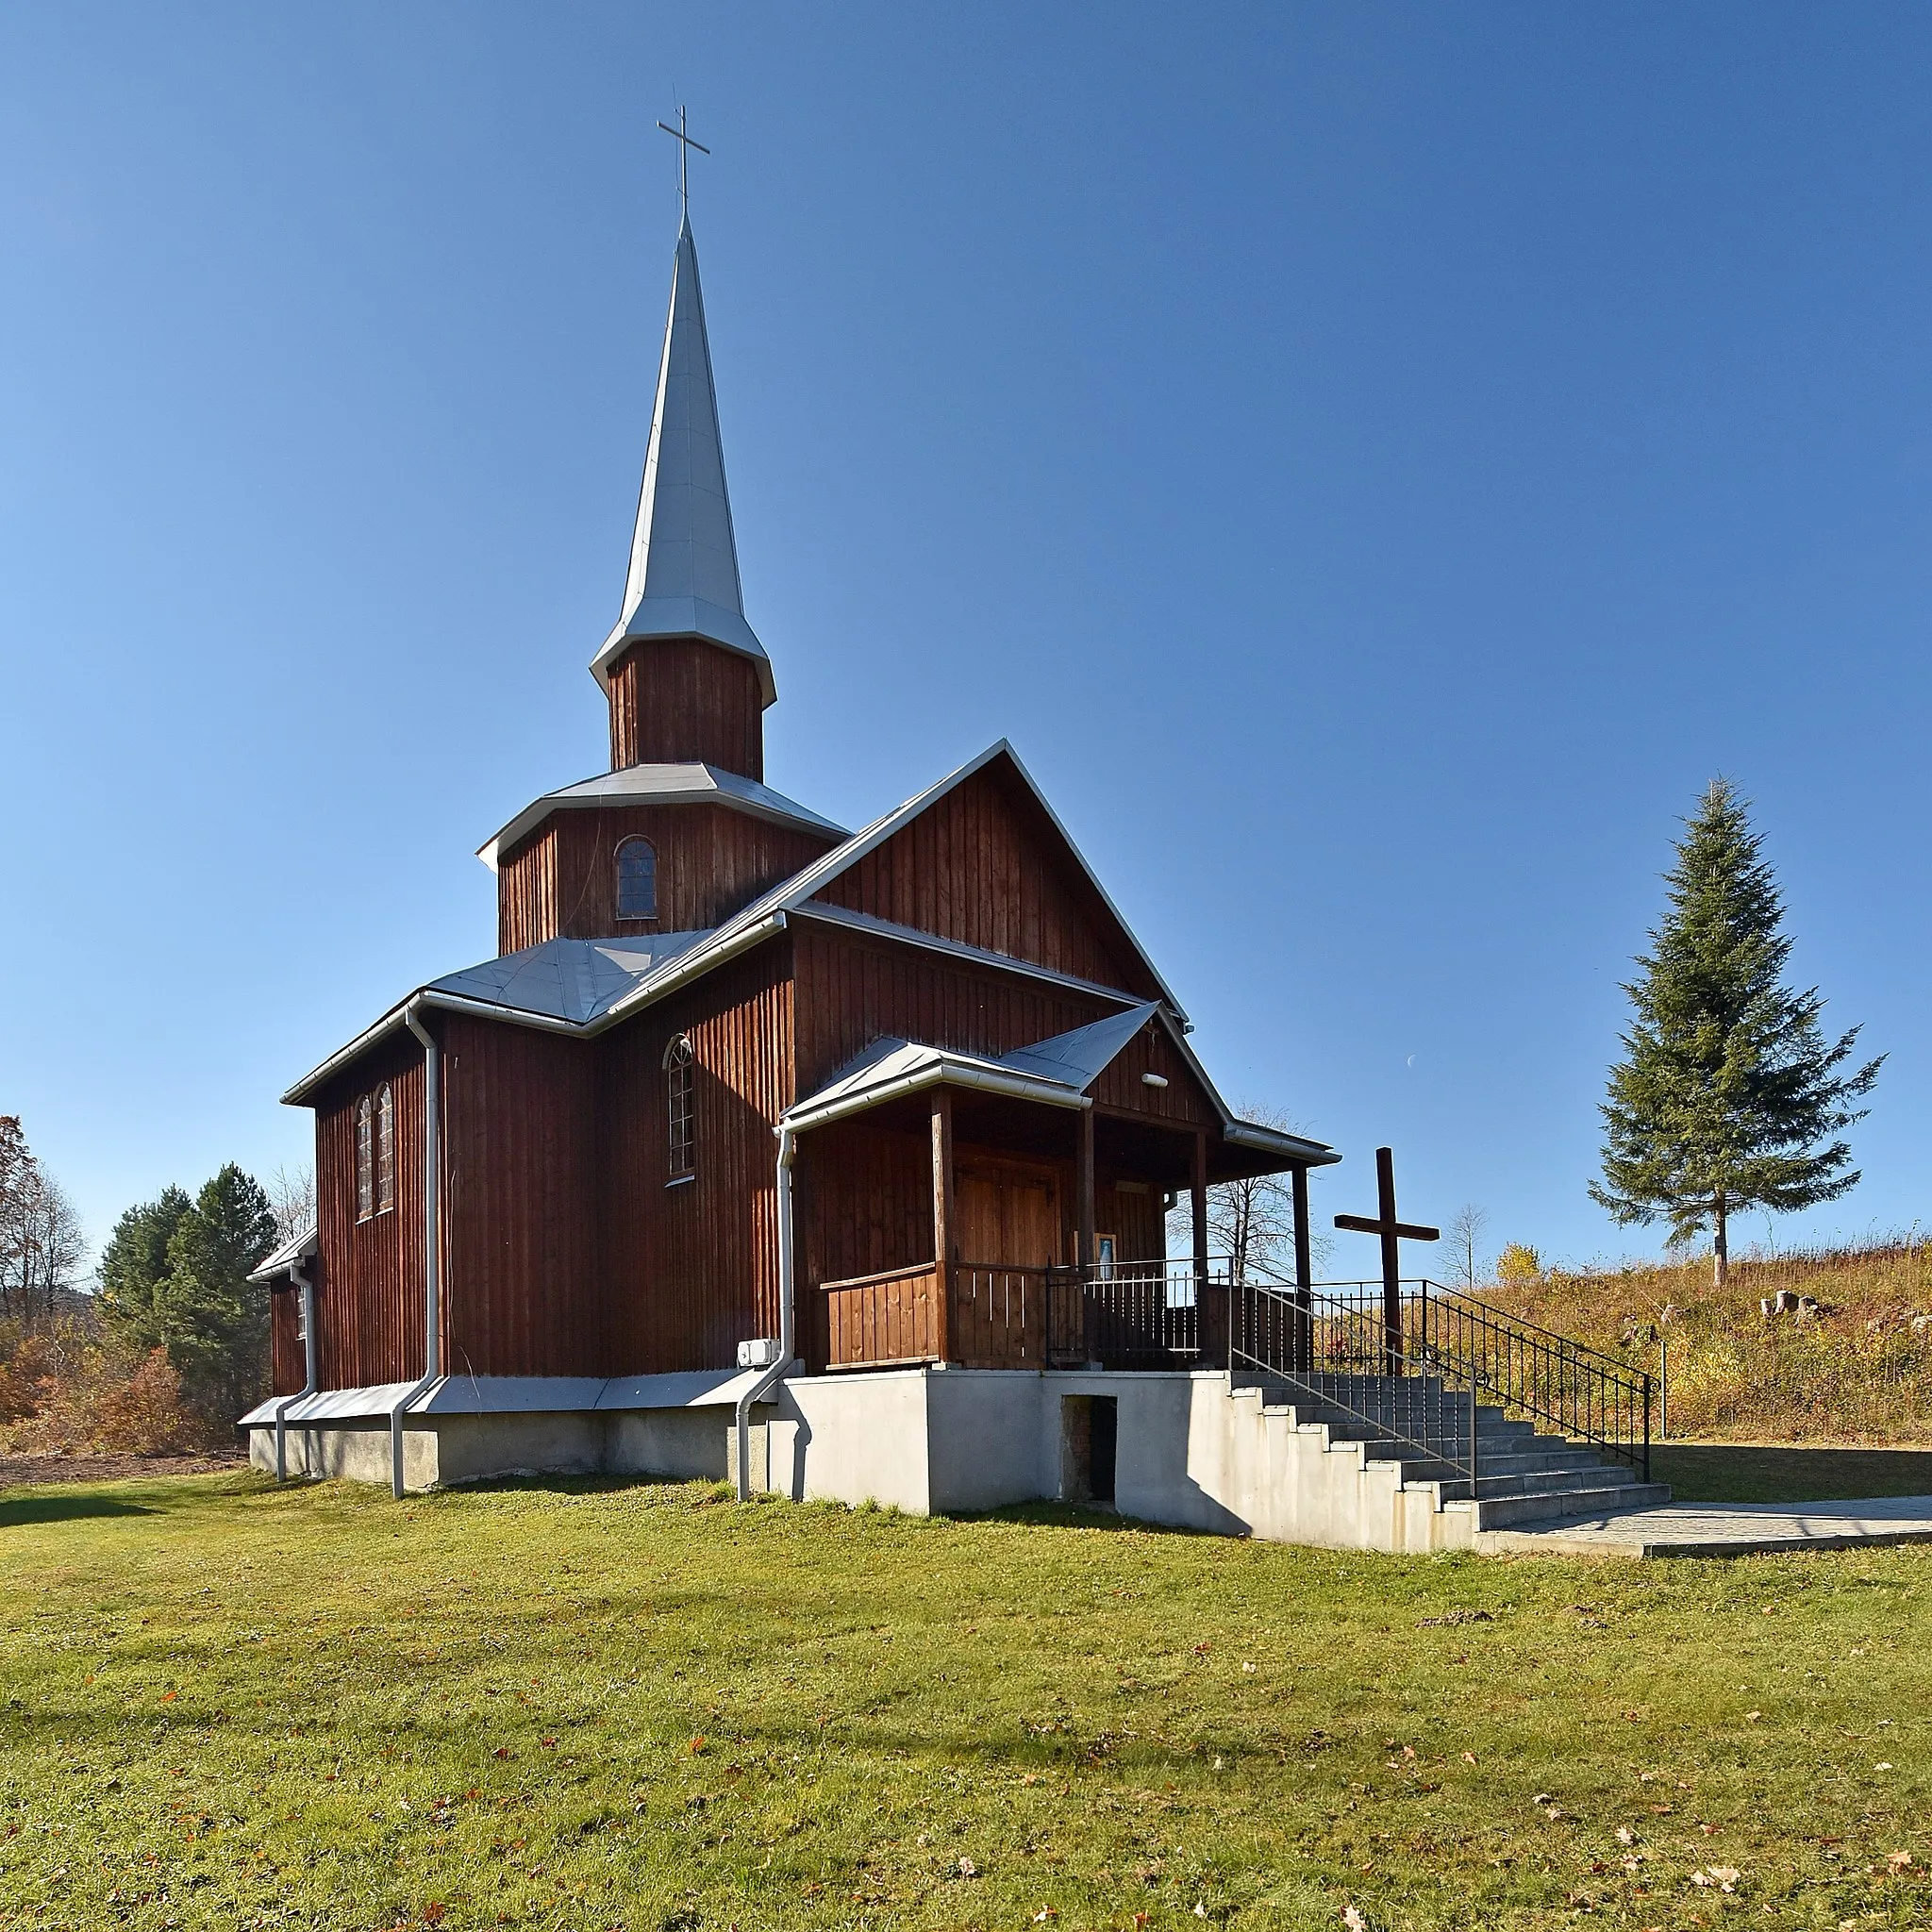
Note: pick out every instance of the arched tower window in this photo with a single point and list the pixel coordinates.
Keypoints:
(385, 1149)
(680, 1105)
(365, 1159)
(637, 879)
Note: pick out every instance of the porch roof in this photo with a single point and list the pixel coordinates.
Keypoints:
(1057, 1072)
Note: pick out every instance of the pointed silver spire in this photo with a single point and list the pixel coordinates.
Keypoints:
(683, 578)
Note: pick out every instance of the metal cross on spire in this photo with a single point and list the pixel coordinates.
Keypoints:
(686, 143)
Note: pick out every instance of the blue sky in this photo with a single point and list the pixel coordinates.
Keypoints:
(1376, 463)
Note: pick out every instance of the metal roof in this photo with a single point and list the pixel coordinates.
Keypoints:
(577, 981)
(291, 1253)
(692, 784)
(518, 1394)
(1078, 1058)
(683, 578)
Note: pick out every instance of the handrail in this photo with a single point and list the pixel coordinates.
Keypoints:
(1587, 1395)
(1414, 1408)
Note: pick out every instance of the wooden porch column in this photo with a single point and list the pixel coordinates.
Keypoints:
(943, 1212)
(1084, 1191)
(1303, 1355)
(1200, 1194)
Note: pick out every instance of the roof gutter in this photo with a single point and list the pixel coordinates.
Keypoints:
(777, 1371)
(674, 974)
(300, 1278)
(432, 1307)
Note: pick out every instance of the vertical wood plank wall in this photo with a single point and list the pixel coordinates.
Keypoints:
(712, 862)
(692, 1269)
(370, 1315)
(981, 866)
(522, 1289)
(854, 990)
(679, 701)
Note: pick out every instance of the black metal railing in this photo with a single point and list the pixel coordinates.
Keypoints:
(1338, 1343)
(1137, 1315)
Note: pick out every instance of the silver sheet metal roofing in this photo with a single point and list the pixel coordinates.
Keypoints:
(578, 980)
(691, 784)
(683, 580)
(657, 973)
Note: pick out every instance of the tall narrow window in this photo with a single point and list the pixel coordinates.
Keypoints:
(385, 1149)
(365, 1159)
(637, 879)
(679, 1097)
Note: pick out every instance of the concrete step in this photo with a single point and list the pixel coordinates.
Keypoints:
(1502, 1512)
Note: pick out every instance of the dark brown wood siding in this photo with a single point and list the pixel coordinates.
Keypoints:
(692, 1268)
(1182, 1101)
(853, 990)
(712, 862)
(678, 701)
(369, 1313)
(522, 1291)
(983, 865)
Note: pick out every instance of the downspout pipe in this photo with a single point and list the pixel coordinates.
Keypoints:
(308, 1363)
(788, 1153)
(432, 1168)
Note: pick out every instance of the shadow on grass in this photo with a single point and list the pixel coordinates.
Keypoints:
(18, 1511)
(1773, 1473)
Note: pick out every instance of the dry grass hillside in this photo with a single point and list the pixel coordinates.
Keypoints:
(1856, 1369)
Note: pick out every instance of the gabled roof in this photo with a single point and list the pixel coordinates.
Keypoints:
(1057, 1072)
(700, 952)
(659, 785)
(793, 892)
(683, 580)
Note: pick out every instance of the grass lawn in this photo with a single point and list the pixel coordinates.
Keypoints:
(1773, 1472)
(587, 1705)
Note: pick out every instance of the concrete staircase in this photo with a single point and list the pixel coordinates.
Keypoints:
(1522, 1476)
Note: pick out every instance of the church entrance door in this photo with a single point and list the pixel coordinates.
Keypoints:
(1007, 1212)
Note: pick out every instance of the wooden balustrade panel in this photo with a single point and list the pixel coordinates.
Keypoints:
(883, 1319)
(998, 1317)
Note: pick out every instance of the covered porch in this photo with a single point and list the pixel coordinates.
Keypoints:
(1012, 1214)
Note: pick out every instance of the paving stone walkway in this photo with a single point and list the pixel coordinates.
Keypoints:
(1721, 1529)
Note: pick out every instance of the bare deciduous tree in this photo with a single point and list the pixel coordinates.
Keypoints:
(40, 1245)
(1251, 1222)
(1462, 1243)
(292, 1201)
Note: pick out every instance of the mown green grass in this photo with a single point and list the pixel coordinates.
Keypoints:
(580, 1706)
(1781, 1472)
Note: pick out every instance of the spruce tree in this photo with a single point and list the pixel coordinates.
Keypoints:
(1728, 1096)
(135, 1264)
(213, 1319)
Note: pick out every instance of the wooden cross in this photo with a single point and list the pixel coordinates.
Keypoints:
(1392, 1232)
(686, 144)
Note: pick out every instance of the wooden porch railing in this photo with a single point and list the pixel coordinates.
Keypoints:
(1001, 1315)
(877, 1321)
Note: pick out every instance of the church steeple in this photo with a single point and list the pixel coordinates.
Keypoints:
(682, 664)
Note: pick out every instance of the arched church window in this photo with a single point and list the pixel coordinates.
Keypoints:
(365, 1159)
(385, 1149)
(637, 879)
(680, 1083)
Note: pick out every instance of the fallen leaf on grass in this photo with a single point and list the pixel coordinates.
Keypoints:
(1044, 1914)
(697, 1744)
(1626, 1835)
(1752, 1717)
(1353, 1919)
(1898, 1861)
(1469, 1757)
(1723, 1876)
(968, 1869)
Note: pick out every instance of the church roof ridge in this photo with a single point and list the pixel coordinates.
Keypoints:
(683, 580)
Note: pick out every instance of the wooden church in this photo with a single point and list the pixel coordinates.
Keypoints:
(840, 1164)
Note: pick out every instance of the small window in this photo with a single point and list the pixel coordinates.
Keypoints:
(1104, 1251)
(365, 1159)
(679, 1095)
(637, 879)
(385, 1149)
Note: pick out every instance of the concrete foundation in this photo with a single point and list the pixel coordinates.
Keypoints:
(1187, 1449)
